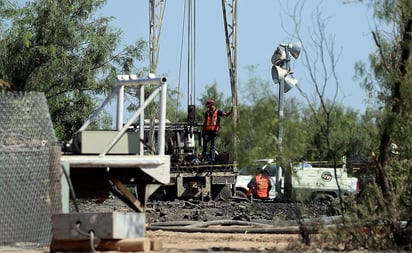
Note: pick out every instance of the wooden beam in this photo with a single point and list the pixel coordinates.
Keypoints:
(127, 194)
(135, 244)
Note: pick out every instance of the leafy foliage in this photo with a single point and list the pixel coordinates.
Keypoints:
(348, 134)
(258, 123)
(388, 82)
(59, 48)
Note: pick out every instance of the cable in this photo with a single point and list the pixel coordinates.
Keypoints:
(180, 62)
(72, 193)
(194, 55)
(90, 235)
(81, 232)
(92, 247)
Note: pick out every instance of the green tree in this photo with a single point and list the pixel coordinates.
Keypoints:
(258, 123)
(61, 49)
(388, 82)
(339, 125)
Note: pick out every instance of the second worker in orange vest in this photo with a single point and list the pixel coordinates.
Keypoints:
(211, 129)
(260, 185)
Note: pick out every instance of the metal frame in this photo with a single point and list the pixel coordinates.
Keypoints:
(155, 166)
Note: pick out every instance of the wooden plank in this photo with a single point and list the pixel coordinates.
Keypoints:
(135, 244)
(156, 244)
(123, 189)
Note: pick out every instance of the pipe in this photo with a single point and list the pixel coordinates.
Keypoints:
(250, 230)
(120, 104)
(144, 81)
(228, 222)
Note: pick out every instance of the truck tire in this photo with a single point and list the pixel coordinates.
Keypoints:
(221, 192)
(334, 208)
(324, 200)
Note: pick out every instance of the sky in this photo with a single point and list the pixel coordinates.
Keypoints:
(260, 31)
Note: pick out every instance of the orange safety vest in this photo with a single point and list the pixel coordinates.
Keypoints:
(262, 186)
(211, 121)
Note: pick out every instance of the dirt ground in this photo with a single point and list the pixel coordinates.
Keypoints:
(177, 242)
(193, 211)
(174, 242)
(198, 212)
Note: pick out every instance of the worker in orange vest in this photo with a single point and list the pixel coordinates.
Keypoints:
(211, 128)
(260, 185)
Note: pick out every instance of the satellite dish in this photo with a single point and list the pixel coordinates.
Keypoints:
(294, 49)
(278, 74)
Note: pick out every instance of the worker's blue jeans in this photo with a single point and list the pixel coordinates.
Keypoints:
(210, 136)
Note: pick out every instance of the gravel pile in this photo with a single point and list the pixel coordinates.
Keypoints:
(195, 210)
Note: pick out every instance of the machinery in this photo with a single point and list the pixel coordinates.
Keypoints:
(100, 162)
(175, 148)
(189, 177)
(101, 159)
(127, 158)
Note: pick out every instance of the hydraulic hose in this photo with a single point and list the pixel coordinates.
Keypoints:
(254, 230)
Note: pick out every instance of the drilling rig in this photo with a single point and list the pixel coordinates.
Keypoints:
(190, 177)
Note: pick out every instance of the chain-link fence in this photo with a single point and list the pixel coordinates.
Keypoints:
(30, 170)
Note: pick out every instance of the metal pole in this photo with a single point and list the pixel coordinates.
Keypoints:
(141, 120)
(93, 116)
(230, 25)
(131, 120)
(280, 113)
(160, 81)
(162, 120)
(286, 66)
(120, 103)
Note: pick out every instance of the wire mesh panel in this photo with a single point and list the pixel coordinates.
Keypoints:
(29, 170)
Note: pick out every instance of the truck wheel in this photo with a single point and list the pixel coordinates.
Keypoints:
(324, 200)
(334, 208)
(240, 194)
(221, 192)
